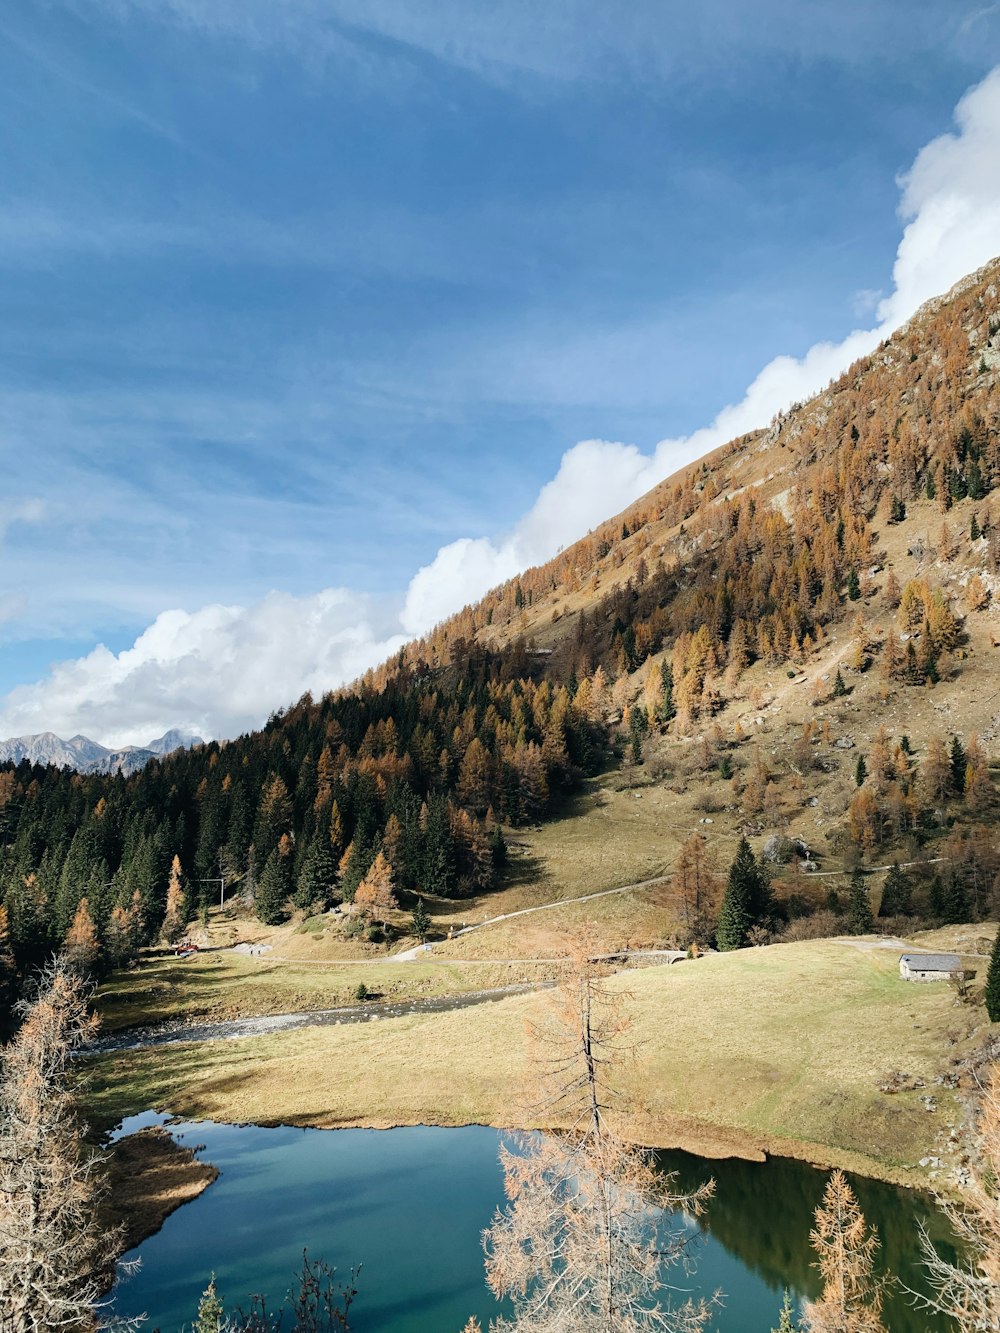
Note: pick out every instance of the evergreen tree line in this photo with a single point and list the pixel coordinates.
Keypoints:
(421, 772)
(750, 913)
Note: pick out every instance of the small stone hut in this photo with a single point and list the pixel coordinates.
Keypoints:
(929, 966)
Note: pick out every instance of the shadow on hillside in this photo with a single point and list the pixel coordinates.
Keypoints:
(524, 868)
(577, 804)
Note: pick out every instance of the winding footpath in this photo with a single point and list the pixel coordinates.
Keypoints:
(410, 955)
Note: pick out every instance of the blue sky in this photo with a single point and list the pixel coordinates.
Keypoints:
(294, 297)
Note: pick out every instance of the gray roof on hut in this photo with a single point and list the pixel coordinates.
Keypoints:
(932, 962)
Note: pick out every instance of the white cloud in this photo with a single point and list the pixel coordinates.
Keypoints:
(218, 671)
(951, 203)
(223, 669)
(595, 480)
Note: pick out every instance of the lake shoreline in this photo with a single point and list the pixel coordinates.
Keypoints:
(700, 1139)
(870, 1076)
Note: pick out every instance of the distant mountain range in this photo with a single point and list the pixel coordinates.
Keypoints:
(87, 756)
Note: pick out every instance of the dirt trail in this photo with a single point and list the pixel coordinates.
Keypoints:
(409, 955)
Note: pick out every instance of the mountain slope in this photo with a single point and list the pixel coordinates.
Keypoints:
(888, 425)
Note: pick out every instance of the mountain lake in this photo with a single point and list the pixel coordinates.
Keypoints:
(408, 1207)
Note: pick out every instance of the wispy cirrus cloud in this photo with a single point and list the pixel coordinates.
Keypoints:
(578, 40)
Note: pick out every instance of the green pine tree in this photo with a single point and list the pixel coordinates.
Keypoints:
(959, 763)
(956, 901)
(976, 485)
(667, 708)
(860, 771)
(420, 922)
(853, 585)
(273, 889)
(992, 992)
(839, 688)
(896, 894)
(211, 1314)
(787, 1322)
(498, 847)
(439, 871)
(859, 909)
(937, 897)
(975, 532)
(742, 901)
(318, 876)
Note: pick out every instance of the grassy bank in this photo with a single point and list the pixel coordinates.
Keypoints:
(149, 1176)
(778, 1050)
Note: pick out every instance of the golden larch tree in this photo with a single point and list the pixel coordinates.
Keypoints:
(968, 1291)
(696, 886)
(374, 895)
(851, 1300)
(82, 946)
(54, 1256)
(174, 920)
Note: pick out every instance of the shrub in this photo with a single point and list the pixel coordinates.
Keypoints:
(820, 926)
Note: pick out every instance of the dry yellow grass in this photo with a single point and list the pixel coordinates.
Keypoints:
(778, 1049)
(150, 1175)
(611, 835)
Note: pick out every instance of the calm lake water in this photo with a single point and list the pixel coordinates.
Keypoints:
(409, 1205)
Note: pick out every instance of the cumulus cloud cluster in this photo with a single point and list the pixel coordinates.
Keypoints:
(216, 672)
(224, 668)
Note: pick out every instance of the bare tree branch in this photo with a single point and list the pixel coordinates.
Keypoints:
(586, 1239)
(54, 1259)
